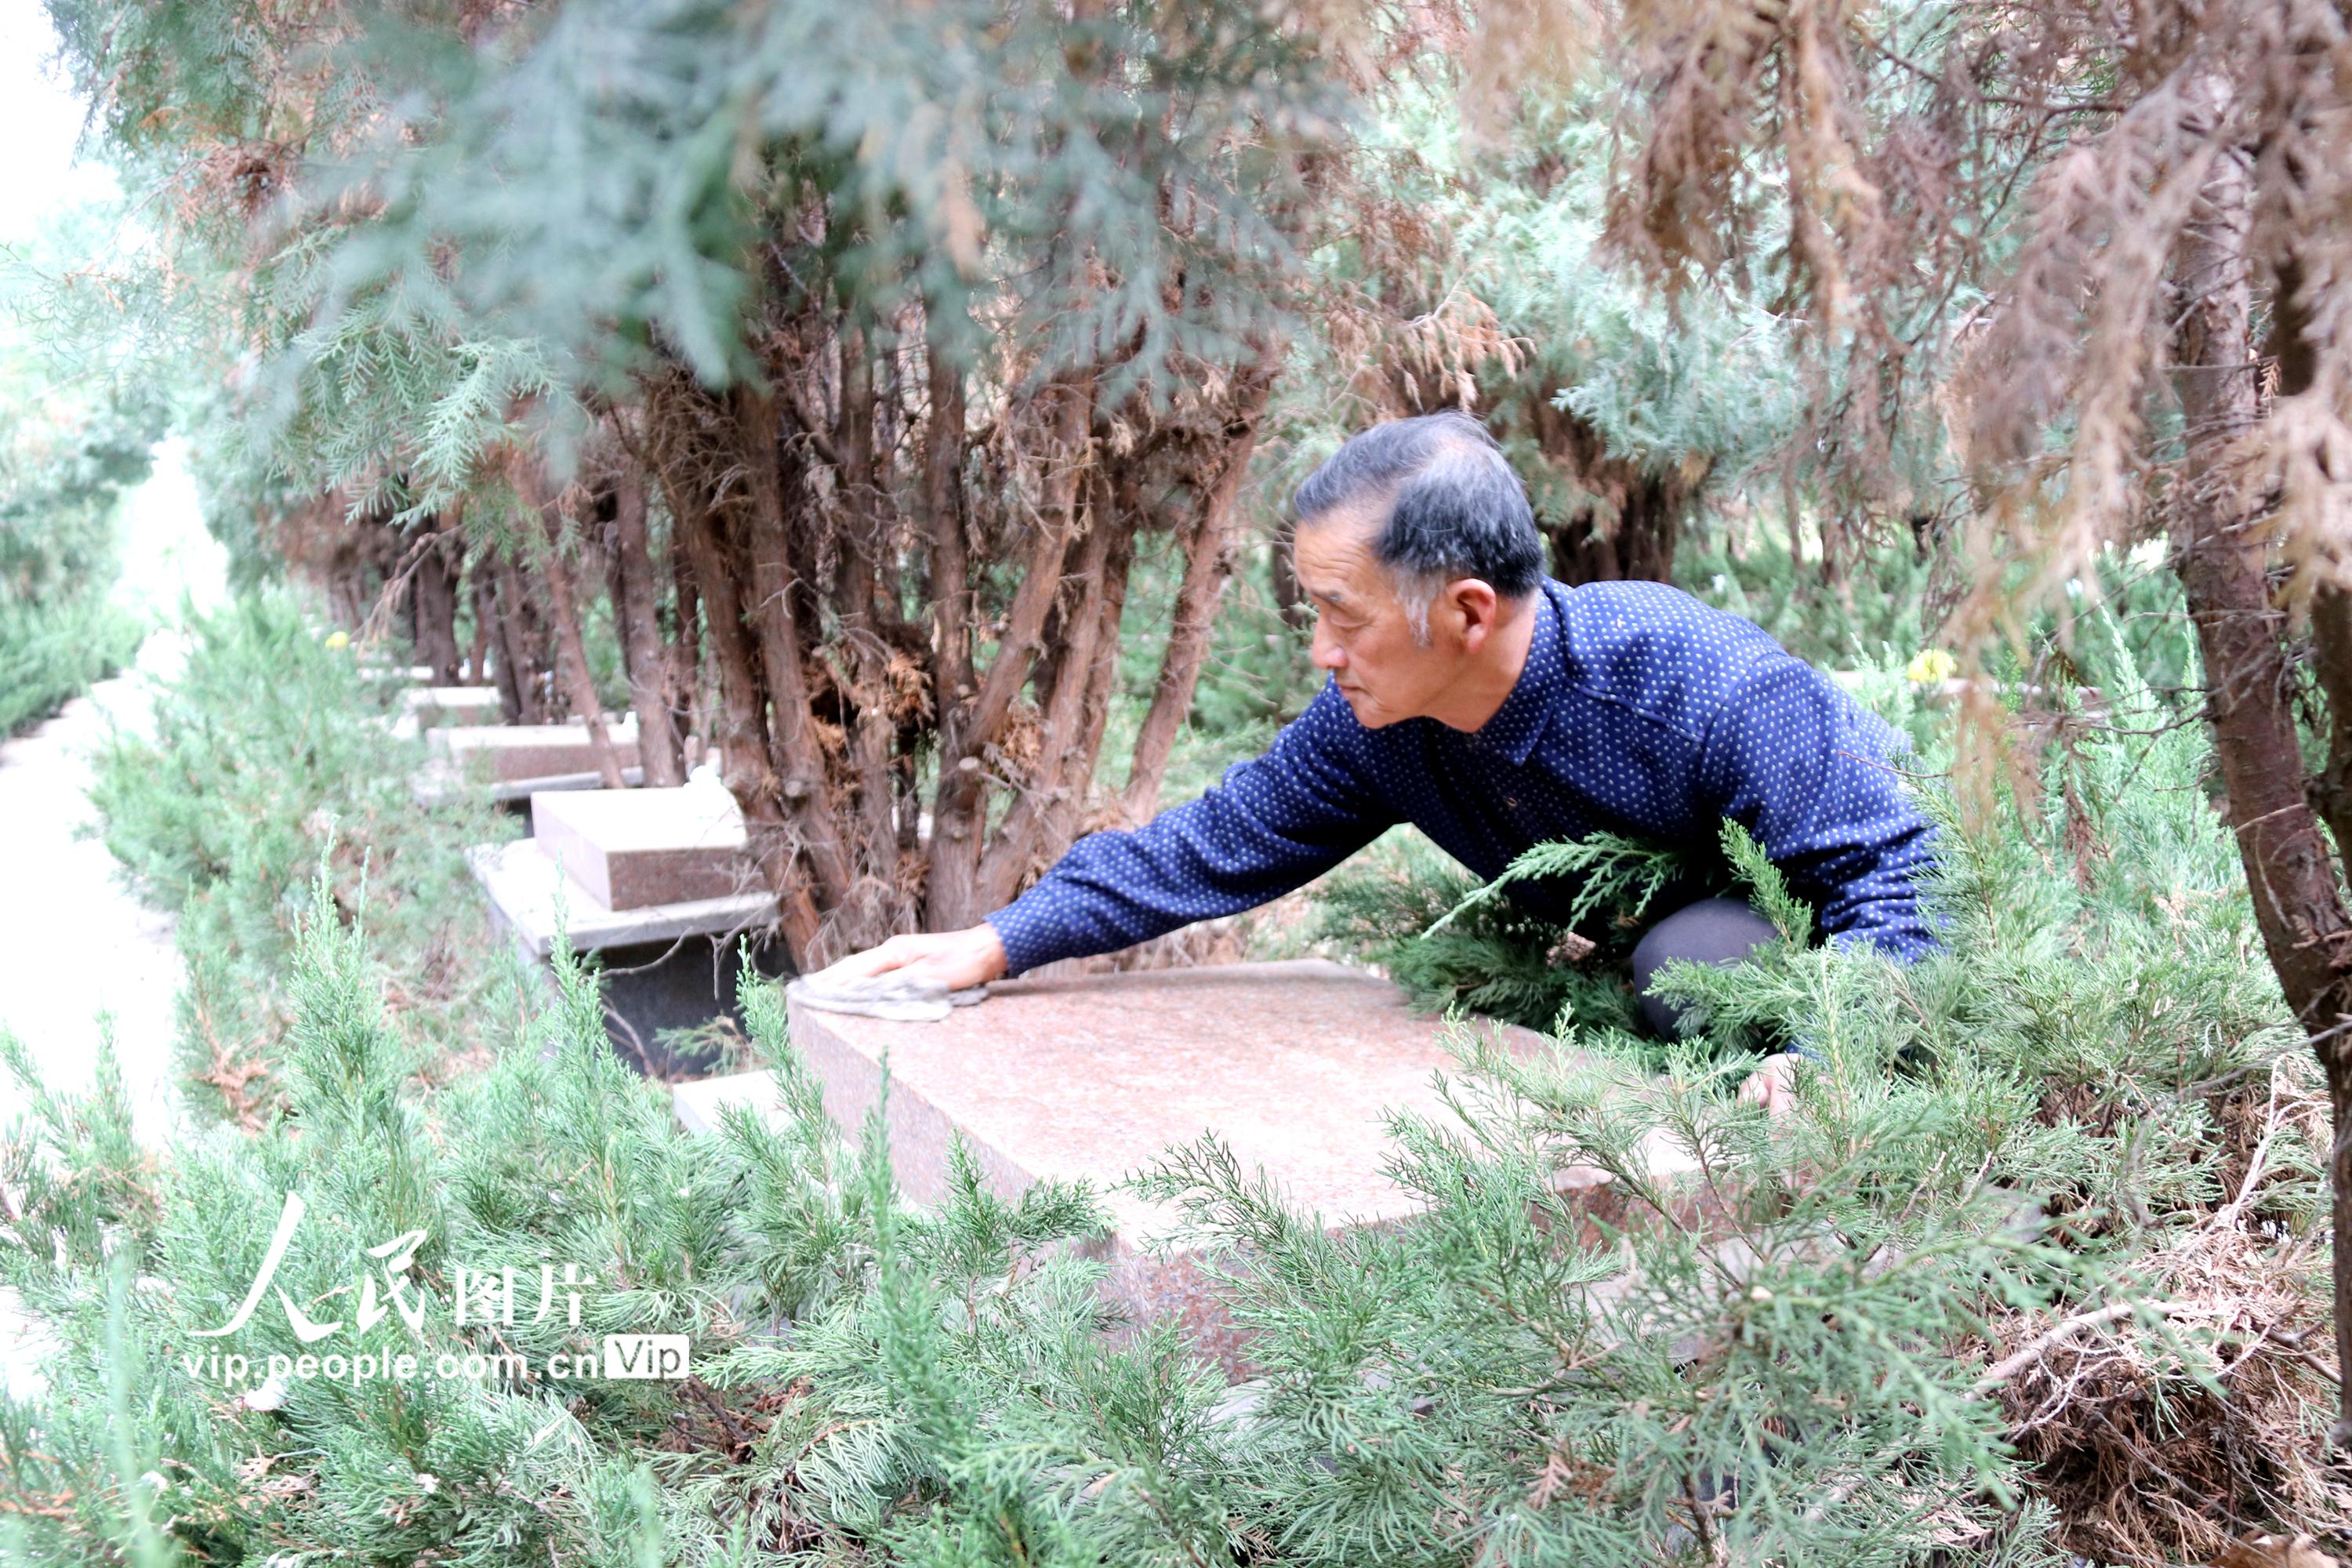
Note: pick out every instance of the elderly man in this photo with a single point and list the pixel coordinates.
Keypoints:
(1495, 709)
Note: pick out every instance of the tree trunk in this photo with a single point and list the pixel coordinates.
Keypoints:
(1065, 819)
(741, 724)
(2242, 635)
(1209, 552)
(958, 811)
(637, 618)
(1289, 599)
(571, 655)
(794, 753)
(438, 571)
(1631, 521)
(517, 632)
(477, 656)
(813, 507)
(951, 862)
(2327, 1015)
(1587, 549)
(2296, 356)
(1637, 542)
(687, 695)
(1056, 790)
(861, 657)
(409, 612)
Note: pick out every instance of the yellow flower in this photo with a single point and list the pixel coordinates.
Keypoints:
(1932, 664)
(339, 639)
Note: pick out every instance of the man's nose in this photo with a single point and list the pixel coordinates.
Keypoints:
(1326, 651)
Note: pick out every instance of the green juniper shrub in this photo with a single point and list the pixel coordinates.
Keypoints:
(2129, 605)
(1764, 583)
(266, 751)
(55, 650)
(83, 401)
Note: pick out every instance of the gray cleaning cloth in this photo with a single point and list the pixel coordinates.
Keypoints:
(894, 994)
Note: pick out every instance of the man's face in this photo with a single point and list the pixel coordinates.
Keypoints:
(1361, 634)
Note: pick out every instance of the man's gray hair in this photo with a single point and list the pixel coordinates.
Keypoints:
(1454, 508)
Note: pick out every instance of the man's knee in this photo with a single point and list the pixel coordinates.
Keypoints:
(1713, 931)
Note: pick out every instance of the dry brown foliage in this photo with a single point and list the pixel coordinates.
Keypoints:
(2186, 1419)
(1977, 209)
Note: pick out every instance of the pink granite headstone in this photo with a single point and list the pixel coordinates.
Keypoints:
(1293, 1065)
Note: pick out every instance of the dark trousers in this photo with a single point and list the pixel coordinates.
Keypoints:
(1712, 930)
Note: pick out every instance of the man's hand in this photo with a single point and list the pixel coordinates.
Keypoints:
(1773, 1084)
(957, 958)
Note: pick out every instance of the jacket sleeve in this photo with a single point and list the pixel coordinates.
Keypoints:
(1803, 768)
(1273, 824)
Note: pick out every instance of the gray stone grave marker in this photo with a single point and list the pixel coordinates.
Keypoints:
(637, 848)
(667, 965)
(512, 752)
(436, 705)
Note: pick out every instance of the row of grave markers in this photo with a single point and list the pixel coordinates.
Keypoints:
(655, 881)
(1294, 1064)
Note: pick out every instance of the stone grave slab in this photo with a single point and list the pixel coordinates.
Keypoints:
(1293, 1064)
(510, 752)
(666, 967)
(439, 782)
(442, 779)
(637, 848)
(435, 706)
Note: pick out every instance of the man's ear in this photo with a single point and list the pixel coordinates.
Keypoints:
(1476, 601)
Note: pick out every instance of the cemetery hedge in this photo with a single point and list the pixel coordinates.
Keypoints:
(268, 779)
(65, 460)
(2036, 1268)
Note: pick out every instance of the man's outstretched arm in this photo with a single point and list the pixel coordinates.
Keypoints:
(1273, 824)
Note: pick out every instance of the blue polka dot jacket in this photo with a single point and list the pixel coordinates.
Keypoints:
(1641, 711)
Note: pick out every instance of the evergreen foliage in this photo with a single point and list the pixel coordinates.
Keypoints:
(1476, 280)
(1452, 942)
(92, 370)
(1608, 867)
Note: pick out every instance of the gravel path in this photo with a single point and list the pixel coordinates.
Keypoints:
(79, 953)
(80, 957)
